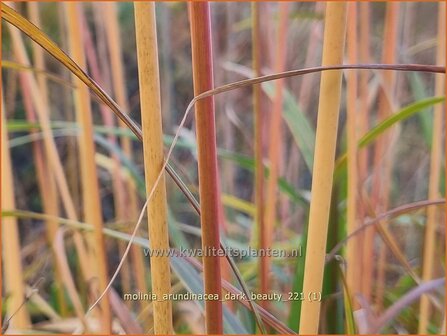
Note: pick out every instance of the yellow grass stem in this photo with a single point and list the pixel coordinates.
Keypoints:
(433, 215)
(275, 148)
(148, 73)
(119, 89)
(90, 188)
(383, 155)
(47, 184)
(326, 138)
(12, 263)
(202, 64)
(363, 121)
(352, 247)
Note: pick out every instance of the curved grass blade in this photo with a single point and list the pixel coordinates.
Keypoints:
(45, 42)
(349, 315)
(402, 114)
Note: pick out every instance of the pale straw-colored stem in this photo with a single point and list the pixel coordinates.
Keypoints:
(433, 214)
(148, 75)
(326, 139)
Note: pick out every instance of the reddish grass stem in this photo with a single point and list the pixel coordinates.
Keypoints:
(207, 159)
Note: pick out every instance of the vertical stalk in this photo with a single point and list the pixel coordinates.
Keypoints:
(382, 156)
(202, 64)
(12, 263)
(307, 82)
(148, 73)
(89, 178)
(363, 122)
(108, 121)
(325, 144)
(275, 146)
(435, 172)
(352, 246)
(46, 182)
(119, 89)
(258, 134)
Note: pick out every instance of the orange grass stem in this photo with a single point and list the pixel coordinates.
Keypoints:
(89, 178)
(383, 155)
(363, 125)
(275, 148)
(352, 248)
(258, 118)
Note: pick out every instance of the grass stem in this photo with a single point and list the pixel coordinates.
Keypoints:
(433, 214)
(148, 75)
(326, 136)
(89, 178)
(202, 63)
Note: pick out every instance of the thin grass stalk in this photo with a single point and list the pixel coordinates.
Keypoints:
(363, 122)
(382, 156)
(12, 264)
(99, 20)
(207, 160)
(326, 138)
(90, 188)
(50, 146)
(47, 184)
(352, 248)
(258, 135)
(108, 121)
(275, 148)
(148, 71)
(119, 89)
(433, 214)
(307, 82)
(71, 158)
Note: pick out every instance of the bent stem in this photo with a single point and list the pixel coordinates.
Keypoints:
(323, 170)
